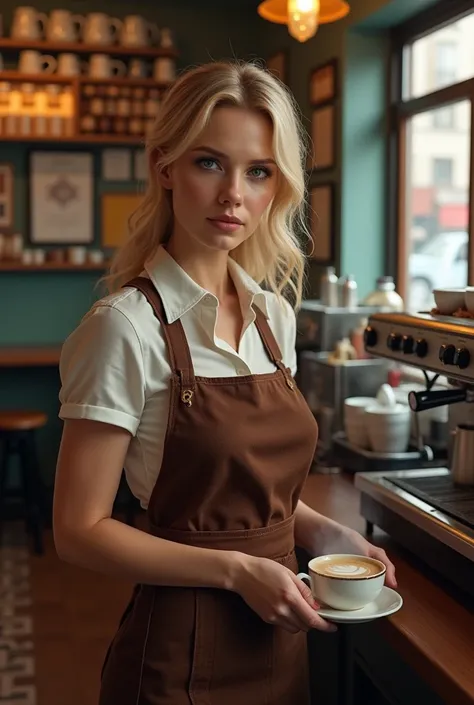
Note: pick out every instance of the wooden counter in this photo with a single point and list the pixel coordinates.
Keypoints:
(432, 632)
(30, 356)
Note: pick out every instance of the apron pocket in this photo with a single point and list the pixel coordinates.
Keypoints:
(233, 652)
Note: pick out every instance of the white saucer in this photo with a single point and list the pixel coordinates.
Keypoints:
(388, 602)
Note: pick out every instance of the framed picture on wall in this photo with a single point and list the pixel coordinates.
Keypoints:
(277, 64)
(321, 219)
(323, 133)
(323, 83)
(116, 209)
(61, 197)
(6, 195)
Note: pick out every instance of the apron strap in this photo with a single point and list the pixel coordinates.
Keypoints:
(267, 337)
(178, 348)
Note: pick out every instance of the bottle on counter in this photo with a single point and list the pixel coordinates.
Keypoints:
(328, 288)
(348, 295)
(385, 296)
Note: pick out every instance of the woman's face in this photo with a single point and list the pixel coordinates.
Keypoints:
(223, 183)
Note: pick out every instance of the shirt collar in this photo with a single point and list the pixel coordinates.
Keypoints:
(179, 293)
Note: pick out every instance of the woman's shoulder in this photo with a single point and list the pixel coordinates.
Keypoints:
(279, 309)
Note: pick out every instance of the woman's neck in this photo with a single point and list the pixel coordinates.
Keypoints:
(208, 268)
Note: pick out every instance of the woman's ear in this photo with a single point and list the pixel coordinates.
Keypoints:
(163, 173)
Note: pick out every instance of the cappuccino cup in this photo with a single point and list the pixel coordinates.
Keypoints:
(345, 581)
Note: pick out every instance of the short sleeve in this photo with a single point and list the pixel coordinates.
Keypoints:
(102, 372)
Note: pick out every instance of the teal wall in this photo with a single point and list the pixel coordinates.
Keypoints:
(44, 307)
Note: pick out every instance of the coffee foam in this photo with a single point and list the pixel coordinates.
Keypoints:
(348, 568)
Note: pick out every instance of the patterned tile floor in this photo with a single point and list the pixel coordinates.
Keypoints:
(17, 656)
(56, 621)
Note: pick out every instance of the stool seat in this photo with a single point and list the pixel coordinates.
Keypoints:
(21, 420)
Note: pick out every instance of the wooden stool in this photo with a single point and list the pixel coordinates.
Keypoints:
(17, 435)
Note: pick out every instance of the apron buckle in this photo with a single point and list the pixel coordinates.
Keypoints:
(187, 397)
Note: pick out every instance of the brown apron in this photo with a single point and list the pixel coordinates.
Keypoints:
(236, 456)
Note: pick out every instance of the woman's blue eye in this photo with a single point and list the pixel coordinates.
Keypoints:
(207, 162)
(259, 172)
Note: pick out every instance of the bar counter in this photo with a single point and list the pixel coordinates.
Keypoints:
(433, 632)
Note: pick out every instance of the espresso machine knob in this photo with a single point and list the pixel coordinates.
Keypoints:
(462, 358)
(447, 353)
(394, 341)
(421, 348)
(408, 344)
(370, 337)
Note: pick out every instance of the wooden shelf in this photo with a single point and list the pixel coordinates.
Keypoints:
(29, 355)
(130, 140)
(52, 267)
(18, 77)
(14, 45)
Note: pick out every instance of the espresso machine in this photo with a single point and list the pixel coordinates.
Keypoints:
(429, 511)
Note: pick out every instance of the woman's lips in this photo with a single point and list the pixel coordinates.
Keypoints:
(225, 226)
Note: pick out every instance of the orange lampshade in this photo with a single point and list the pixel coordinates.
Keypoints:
(277, 11)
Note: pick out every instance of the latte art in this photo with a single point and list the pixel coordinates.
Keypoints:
(347, 568)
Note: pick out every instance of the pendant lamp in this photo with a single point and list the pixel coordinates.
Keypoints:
(303, 17)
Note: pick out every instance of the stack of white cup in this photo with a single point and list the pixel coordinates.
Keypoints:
(379, 424)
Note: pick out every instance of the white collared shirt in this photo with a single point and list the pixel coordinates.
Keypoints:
(114, 367)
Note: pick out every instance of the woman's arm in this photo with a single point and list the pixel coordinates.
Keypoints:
(88, 473)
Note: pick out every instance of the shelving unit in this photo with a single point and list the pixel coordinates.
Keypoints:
(52, 267)
(104, 128)
(15, 45)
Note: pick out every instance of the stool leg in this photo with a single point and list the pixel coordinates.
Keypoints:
(33, 489)
(5, 453)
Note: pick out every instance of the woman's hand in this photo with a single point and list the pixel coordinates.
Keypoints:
(277, 595)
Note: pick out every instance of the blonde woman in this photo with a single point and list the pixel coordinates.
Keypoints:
(184, 377)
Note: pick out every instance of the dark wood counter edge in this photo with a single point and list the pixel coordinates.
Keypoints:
(29, 356)
(433, 632)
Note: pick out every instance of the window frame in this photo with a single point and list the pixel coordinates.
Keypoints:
(400, 110)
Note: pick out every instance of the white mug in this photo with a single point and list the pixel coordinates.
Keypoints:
(33, 62)
(102, 66)
(77, 255)
(138, 32)
(164, 70)
(62, 27)
(28, 23)
(69, 65)
(345, 581)
(99, 28)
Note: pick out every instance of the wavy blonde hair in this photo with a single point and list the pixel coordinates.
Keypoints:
(273, 255)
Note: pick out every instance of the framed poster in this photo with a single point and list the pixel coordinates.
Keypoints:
(116, 209)
(323, 133)
(321, 217)
(277, 64)
(323, 83)
(6, 195)
(61, 197)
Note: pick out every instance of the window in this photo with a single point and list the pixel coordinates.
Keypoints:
(443, 118)
(442, 171)
(445, 63)
(430, 172)
(440, 57)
